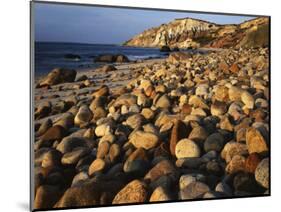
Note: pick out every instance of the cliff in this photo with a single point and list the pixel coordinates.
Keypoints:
(195, 33)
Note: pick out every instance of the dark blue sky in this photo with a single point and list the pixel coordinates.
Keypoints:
(82, 24)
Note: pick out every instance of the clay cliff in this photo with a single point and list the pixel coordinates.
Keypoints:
(195, 33)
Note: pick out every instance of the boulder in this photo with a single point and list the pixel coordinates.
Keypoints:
(57, 76)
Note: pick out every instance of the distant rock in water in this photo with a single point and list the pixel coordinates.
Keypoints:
(57, 76)
(72, 57)
(165, 48)
(112, 58)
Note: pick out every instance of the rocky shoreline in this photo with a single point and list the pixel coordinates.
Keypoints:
(192, 126)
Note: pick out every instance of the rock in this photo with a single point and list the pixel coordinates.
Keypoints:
(234, 93)
(144, 140)
(233, 148)
(194, 190)
(248, 100)
(223, 188)
(185, 180)
(54, 133)
(245, 184)
(176, 57)
(66, 121)
(51, 159)
(225, 123)
(80, 178)
(103, 149)
(187, 148)
(134, 192)
(214, 168)
(99, 113)
(234, 68)
(98, 102)
(44, 127)
(235, 111)
(135, 121)
(102, 91)
(214, 142)
(114, 152)
(125, 99)
(198, 134)
(262, 173)
(97, 165)
(108, 68)
(46, 197)
(255, 141)
(69, 143)
(83, 117)
(74, 156)
(110, 58)
(43, 110)
(164, 167)
(252, 162)
(197, 101)
(202, 90)
(103, 129)
(75, 57)
(57, 76)
(179, 131)
(189, 163)
(221, 93)
(236, 164)
(79, 196)
(218, 108)
(147, 113)
(163, 102)
(137, 162)
(122, 59)
(165, 49)
(159, 194)
(81, 78)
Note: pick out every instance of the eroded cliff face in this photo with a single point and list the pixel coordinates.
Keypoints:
(194, 33)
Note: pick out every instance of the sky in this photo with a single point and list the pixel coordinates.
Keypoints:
(90, 24)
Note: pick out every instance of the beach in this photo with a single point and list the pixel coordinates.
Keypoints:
(184, 127)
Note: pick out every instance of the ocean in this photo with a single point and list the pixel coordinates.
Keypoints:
(52, 55)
